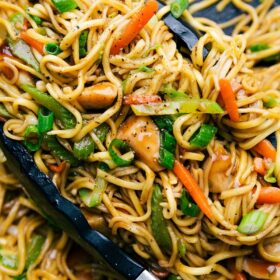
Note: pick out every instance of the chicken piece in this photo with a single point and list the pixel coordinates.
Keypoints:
(260, 269)
(98, 96)
(218, 179)
(143, 136)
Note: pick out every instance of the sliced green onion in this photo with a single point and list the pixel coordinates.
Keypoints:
(178, 107)
(45, 120)
(252, 222)
(145, 69)
(34, 249)
(83, 148)
(269, 176)
(174, 95)
(182, 248)
(94, 198)
(8, 260)
(101, 131)
(62, 114)
(32, 138)
(38, 20)
(51, 144)
(174, 277)
(167, 141)
(259, 47)
(178, 7)
(65, 5)
(52, 49)
(164, 122)
(204, 136)
(123, 146)
(188, 207)
(166, 159)
(83, 43)
(270, 102)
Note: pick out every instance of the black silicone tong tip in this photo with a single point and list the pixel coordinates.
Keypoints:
(64, 214)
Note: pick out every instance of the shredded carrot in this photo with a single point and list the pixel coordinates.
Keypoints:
(132, 29)
(141, 99)
(259, 165)
(269, 195)
(193, 188)
(266, 149)
(58, 168)
(32, 42)
(228, 97)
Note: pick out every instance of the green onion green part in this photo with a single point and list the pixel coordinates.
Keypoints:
(166, 158)
(174, 277)
(65, 5)
(32, 138)
(34, 249)
(252, 222)
(182, 248)
(158, 223)
(167, 141)
(83, 148)
(174, 95)
(101, 131)
(120, 145)
(164, 122)
(269, 176)
(187, 206)
(38, 20)
(178, 7)
(52, 49)
(45, 120)
(83, 43)
(270, 102)
(204, 136)
(62, 114)
(145, 69)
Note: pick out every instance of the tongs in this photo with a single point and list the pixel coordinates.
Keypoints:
(65, 214)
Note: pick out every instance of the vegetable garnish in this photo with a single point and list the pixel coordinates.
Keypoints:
(145, 69)
(34, 249)
(259, 166)
(137, 22)
(269, 175)
(229, 99)
(60, 113)
(270, 102)
(269, 195)
(83, 43)
(37, 20)
(266, 149)
(45, 120)
(141, 99)
(166, 158)
(188, 207)
(83, 148)
(262, 47)
(174, 95)
(158, 225)
(164, 122)
(177, 107)
(32, 42)
(193, 188)
(65, 5)
(102, 131)
(32, 138)
(123, 146)
(204, 136)
(178, 7)
(58, 168)
(252, 222)
(167, 141)
(52, 48)
(93, 198)
(19, 21)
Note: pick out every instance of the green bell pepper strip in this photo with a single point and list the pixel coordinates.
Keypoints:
(62, 114)
(204, 136)
(45, 120)
(94, 198)
(252, 222)
(65, 5)
(177, 107)
(269, 175)
(122, 145)
(178, 7)
(83, 148)
(23, 51)
(187, 206)
(32, 138)
(50, 143)
(158, 223)
(83, 43)
(164, 123)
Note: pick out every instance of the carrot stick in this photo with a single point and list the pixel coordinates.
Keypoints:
(58, 168)
(228, 97)
(259, 165)
(266, 149)
(141, 99)
(269, 195)
(137, 22)
(32, 42)
(193, 188)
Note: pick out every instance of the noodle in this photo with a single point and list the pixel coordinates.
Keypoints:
(116, 189)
